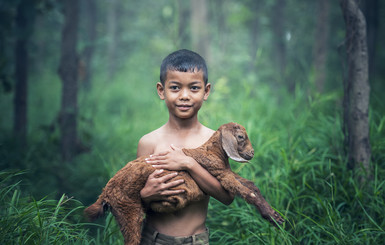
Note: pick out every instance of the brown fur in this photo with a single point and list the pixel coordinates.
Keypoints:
(122, 192)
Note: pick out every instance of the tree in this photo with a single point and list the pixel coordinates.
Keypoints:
(25, 15)
(356, 87)
(182, 36)
(320, 46)
(372, 19)
(279, 42)
(254, 32)
(112, 48)
(200, 28)
(68, 71)
(90, 9)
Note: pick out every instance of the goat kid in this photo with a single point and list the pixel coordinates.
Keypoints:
(122, 192)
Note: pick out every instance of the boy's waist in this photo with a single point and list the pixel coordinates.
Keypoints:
(154, 235)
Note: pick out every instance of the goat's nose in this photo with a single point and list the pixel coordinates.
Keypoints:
(251, 153)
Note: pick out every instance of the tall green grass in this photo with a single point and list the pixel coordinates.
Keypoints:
(25, 220)
(299, 165)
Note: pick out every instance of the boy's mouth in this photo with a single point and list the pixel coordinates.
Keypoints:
(184, 107)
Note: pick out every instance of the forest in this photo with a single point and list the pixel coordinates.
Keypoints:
(305, 78)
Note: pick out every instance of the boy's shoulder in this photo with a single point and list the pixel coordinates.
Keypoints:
(148, 141)
(153, 136)
(206, 132)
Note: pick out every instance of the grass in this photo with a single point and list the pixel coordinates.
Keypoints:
(299, 165)
(25, 220)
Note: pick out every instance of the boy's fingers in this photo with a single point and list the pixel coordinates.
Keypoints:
(156, 173)
(175, 147)
(156, 159)
(173, 183)
(158, 166)
(171, 192)
(167, 177)
(160, 154)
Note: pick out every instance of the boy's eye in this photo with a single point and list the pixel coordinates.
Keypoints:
(174, 87)
(195, 88)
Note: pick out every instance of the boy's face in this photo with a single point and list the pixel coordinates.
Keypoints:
(184, 93)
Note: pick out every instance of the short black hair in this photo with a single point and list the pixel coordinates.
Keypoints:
(184, 61)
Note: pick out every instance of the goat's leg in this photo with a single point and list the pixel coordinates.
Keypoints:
(265, 209)
(130, 219)
(235, 184)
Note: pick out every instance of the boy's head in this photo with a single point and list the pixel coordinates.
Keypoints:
(183, 61)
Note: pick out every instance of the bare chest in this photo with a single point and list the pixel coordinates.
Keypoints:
(165, 145)
(189, 140)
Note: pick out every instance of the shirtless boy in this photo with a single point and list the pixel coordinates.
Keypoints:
(183, 86)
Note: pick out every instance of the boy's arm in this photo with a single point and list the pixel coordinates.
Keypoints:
(208, 183)
(177, 160)
(156, 187)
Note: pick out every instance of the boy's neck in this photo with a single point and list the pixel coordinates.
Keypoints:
(183, 124)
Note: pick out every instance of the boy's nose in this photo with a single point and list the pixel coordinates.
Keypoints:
(184, 94)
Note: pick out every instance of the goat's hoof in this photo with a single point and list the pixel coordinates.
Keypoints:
(272, 216)
(276, 219)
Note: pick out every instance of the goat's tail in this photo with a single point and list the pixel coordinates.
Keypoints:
(96, 210)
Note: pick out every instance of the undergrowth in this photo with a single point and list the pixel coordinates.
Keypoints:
(299, 166)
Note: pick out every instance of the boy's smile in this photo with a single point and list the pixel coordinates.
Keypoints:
(184, 93)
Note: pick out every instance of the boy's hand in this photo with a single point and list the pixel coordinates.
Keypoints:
(156, 187)
(175, 159)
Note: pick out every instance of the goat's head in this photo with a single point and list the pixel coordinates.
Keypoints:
(236, 143)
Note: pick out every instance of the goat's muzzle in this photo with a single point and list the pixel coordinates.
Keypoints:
(247, 155)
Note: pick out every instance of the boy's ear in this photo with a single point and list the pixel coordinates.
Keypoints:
(207, 91)
(160, 90)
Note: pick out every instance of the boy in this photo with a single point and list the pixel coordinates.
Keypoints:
(183, 86)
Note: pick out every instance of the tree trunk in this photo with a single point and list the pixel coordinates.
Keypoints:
(254, 31)
(320, 47)
(279, 43)
(112, 24)
(371, 14)
(199, 28)
(88, 52)
(24, 24)
(68, 71)
(183, 36)
(219, 12)
(356, 88)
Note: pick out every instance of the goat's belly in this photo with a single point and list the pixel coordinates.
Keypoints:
(128, 181)
(191, 193)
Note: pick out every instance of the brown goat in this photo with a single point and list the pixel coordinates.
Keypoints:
(122, 192)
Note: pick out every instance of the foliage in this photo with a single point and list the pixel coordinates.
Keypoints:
(25, 220)
(298, 165)
(306, 180)
(299, 162)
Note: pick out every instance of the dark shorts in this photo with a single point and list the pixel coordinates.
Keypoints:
(151, 237)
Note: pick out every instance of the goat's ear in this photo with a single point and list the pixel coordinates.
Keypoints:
(230, 145)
